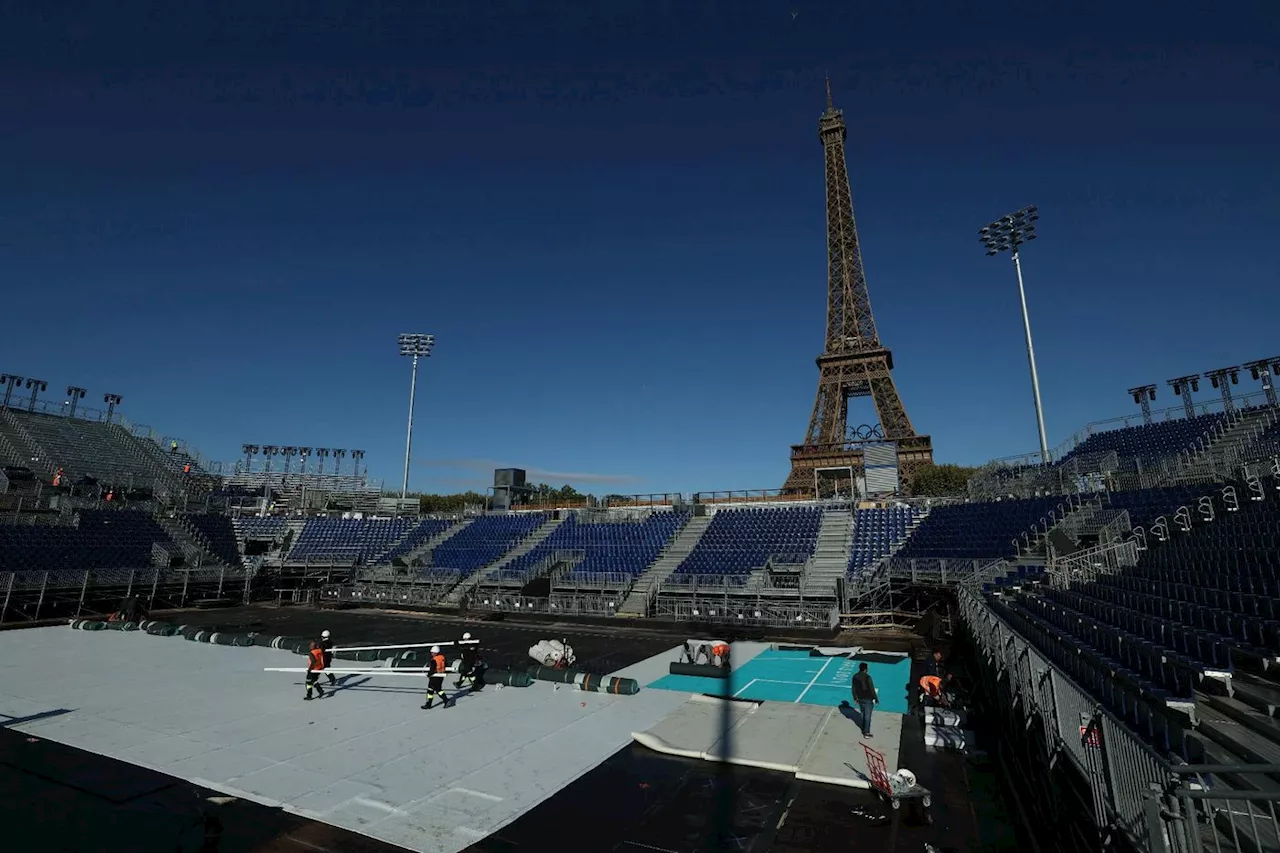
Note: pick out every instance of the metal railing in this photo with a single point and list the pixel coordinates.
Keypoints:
(31, 594)
(755, 611)
(1161, 807)
(947, 572)
(1085, 566)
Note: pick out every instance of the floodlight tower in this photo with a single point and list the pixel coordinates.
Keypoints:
(9, 382)
(112, 400)
(322, 453)
(303, 454)
(356, 456)
(74, 395)
(1219, 379)
(338, 455)
(1143, 395)
(416, 346)
(288, 453)
(268, 450)
(249, 451)
(37, 386)
(1007, 234)
(1266, 369)
(1183, 387)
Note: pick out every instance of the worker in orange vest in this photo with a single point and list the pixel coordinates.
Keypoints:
(435, 679)
(931, 689)
(315, 666)
(720, 655)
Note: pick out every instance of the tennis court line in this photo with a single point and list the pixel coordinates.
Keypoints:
(738, 692)
(813, 680)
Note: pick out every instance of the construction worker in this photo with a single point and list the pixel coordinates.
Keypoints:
(720, 655)
(467, 663)
(435, 679)
(931, 689)
(326, 646)
(315, 666)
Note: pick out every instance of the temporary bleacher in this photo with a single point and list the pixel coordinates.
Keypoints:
(1148, 443)
(253, 527)
(975, 530)
(876, 532)
(740, 541)
(343, 539)
(83, 448)
(482, 542)
(607, 548)
(98, 539)
(424, 531)
(220, 534)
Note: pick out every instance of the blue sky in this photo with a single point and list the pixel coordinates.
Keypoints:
(614, 223)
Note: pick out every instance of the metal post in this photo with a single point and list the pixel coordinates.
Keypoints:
(44, 583)
(408, 439)
(1031, 359)
(186, 579)
(222, 574)
(84, 588)
(155, 582)
(128, 593)
(8, 593)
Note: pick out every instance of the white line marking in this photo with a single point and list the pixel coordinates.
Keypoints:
(816, 676)
(738, 692)
(481, 794)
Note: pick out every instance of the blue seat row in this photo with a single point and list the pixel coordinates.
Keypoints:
(738, 541)
(484, 541)
(348, 538)
(975, 530)
(102, 539)
(622, 548)
(876, 531)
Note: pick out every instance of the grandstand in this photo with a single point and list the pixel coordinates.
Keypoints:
(1134, 571)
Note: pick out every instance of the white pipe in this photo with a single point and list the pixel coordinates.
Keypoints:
(387, 671)
(336, 649)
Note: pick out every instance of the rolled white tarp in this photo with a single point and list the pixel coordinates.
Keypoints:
(552, 653)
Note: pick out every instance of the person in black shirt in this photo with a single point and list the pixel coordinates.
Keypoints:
(865, 697)
(326, 646)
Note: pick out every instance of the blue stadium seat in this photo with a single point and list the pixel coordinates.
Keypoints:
(611, 548)
(738, 541)
(975, 530)
(348, 538)
(223, 541)
(1147, 443)
(876, 532)
(423, 532)
(483, 541)
(104, 539)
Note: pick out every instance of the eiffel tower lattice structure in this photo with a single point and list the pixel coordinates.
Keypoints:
(854, 363)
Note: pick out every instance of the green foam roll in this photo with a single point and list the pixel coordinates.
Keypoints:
(507, 677)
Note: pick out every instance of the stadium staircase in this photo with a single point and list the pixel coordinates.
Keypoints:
(830, 559)
(417, 554)
(681, 545)
(1222, 458)
(533, 540)
(195, 547)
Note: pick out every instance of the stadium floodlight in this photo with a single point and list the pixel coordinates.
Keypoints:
(1265, 369)
(37, 386)
(1007, 234)
(322, 453)
(288, 453)
(356, 456)
(338, 455)
(303, 454)
(1222, 379)
(74, 395)
(415, 346)
(268, 451)
(112, 400)
(1183, 387)
(9, 382)
(1143, 395)
(249, 451)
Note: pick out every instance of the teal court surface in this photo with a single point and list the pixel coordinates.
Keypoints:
(778, 675)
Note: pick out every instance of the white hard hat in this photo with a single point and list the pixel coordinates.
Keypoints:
(466, 636)
(435, 650)
(324, 635)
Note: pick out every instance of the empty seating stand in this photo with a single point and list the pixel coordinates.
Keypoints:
(218, 529)
(484, 541)
(116, 539)
(975, 530)
(422, 533)
(609, 548)
(87, 448)
(875, 533)
(1147, 443)
(739, 541)
(343, 539)
(250, 527)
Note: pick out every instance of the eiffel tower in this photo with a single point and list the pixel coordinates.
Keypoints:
(854, 363)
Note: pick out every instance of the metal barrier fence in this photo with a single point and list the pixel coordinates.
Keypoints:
(1085, 566)
(756, 611)
(1159, 806)
(31, 594)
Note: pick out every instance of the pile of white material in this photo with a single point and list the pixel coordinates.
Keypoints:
(948, 737)
(553, 653)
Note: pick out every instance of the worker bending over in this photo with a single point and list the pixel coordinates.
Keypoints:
(326, 646)
(720, 655)
(435, 679)
(315, 666)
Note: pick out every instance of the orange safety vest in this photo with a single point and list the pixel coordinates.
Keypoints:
(720, 650)
(931, 684)
(317, 660)
(437, 661)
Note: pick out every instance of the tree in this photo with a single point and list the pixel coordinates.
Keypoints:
(935, 481)
(450, 503)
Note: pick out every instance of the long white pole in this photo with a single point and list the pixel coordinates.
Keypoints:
(408, 439)
(403, 646)
(387, 671)
(1031, 359)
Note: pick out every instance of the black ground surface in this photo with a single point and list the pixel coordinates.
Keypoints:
(64, 799)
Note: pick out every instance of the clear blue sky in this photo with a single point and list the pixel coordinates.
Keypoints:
(614, 221)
